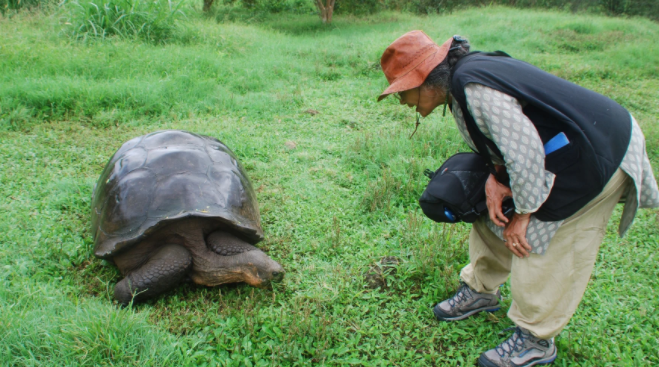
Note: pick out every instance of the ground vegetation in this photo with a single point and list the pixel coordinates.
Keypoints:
(336, 176)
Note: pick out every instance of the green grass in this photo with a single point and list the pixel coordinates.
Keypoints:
(153, 21)
(332, 207)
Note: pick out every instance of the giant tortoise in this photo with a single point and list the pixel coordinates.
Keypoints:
(172, 205)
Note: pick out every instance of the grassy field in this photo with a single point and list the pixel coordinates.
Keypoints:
(337, 191)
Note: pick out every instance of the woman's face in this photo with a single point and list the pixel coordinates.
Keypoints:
(424, 98)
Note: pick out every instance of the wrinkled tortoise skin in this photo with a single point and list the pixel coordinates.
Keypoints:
(165, 176)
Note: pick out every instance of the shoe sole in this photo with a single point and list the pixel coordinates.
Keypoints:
(462, 317)
(486, 363)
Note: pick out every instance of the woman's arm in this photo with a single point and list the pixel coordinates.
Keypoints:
(500, 118)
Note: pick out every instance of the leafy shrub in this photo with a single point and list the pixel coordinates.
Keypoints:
(273, 6)
(258, 10)
(647, 8)
(152, 20)
(358, 7)
(425, 6)
(9, 5)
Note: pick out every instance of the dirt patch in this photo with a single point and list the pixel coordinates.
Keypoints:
(376, 276)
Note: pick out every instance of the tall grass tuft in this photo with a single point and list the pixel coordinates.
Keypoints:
(151, 20)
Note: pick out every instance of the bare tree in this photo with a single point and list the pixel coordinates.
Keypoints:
(326, 9)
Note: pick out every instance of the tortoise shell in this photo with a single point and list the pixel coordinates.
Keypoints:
(165, 176)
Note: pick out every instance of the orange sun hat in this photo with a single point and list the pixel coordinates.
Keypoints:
(408, 60)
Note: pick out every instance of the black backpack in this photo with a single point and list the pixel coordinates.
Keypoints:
(456, 192)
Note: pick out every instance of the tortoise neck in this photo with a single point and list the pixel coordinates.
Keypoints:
(212, 269)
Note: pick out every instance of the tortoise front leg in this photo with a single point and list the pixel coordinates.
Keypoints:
(162, 272)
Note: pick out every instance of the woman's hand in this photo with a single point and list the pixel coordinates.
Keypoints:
(515, 235)
(495, 194)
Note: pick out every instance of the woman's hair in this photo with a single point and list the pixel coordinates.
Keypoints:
(440, 76)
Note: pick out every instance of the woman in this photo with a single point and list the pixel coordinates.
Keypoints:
(517, 114)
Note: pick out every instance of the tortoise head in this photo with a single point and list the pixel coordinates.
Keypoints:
(253, 267)
(259, 270)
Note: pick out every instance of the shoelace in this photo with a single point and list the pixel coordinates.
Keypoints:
(463, 293)
(514, 343)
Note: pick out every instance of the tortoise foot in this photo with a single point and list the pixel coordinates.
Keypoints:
(164, 271)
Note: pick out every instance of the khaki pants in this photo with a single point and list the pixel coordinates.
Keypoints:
(546, 289)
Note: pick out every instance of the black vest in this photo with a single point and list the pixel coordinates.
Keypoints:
(598, 128)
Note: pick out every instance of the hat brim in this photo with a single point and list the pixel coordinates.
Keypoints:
(417, 75)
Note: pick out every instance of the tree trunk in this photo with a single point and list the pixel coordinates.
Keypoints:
(326, 9)
(208, 4)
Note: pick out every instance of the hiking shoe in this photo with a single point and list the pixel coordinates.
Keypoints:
(520, 350)
(465, 303)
